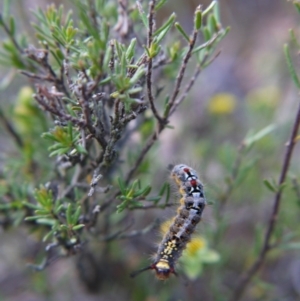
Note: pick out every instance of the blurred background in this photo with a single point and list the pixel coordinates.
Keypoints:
(246, 89)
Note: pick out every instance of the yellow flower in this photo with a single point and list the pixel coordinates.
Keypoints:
(195, 245)
(196, 255)
(27, 116)
(222, 103)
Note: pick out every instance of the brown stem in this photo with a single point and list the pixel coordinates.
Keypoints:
(10, 129)
(246, 278)
(150, 62)
(181, 74)
(143, 153)
(9, 33)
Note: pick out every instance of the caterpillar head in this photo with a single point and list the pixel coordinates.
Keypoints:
(163, 269)
(181, 173)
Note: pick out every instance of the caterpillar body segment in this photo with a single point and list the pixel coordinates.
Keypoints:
(189, 214)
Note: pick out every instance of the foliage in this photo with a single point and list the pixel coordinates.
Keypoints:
(107, 78)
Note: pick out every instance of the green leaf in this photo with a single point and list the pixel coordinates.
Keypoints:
(69, 215)
(167, 25)
(63, 227)
(58, 208)
(41, 211)
(203, 46)
(81, 149)
(130, 49)
(122, 186)
(248, 141)
(216, 11)
(181, 30)
(131, 190)
(142, 14)
(76, 215)
(78, 227)
(160, 4)
(137, 75)
(211, 257)
(297, 5)
(50, 233)
(290, 246)
(290, 65)
(59, 152)
(12, 26)
(49, 136)
(46, 221)
(163, 32)
(164, 188)
(154, 199)
(270, 186)
(29, 205)
(209, 8)
(212, 24)
(35, 217)
(105, 80)
(146, 190)
(122, 206)
(198, 18)
(134, 91)
(293, 38)
(206, 33)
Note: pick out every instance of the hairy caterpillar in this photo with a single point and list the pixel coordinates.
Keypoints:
(189, 214)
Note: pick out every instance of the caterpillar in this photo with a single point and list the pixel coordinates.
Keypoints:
(192, 204)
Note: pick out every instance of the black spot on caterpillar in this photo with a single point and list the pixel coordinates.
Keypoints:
(192, 204)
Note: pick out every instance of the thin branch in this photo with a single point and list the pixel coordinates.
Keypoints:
(150, 61)
(39, 77)
(233, 176)
(93, 13)
(187, 89)
(10, 129)
(143, 153)
(190, 84)
(181, 74)
(74, 181)
(111, 63)
(117, 111)
(96, 178)
(43, 93)
(134, 233)
(94, 216)
(246, 278)
(83, 101)
(115, 134)
(41, 56)
(141, 61)
(9, 33)
(66, 70)
(146, 207)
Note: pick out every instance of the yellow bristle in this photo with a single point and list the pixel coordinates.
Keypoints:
(165, 226)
